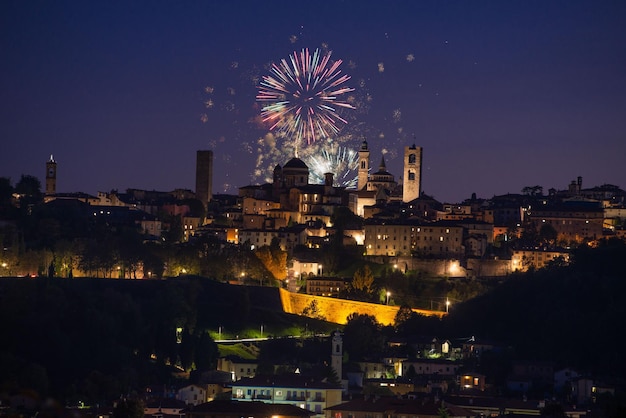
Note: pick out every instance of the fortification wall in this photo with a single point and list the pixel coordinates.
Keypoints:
(337, 310)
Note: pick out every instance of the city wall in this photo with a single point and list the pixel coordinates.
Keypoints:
(337, 310)
(450, 268)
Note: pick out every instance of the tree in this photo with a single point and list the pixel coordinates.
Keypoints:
(313, 311)
(533, 190)
(6, 192)
(362, 337)
(362, 284)
(404, 314)
(547, 234)
(443, 412)
(128, 408)
(29, 186)
(274, 260)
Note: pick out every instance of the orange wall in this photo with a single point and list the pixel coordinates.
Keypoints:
(337, 310)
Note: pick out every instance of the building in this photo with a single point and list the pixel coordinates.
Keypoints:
(394, 407)
(237, 367)
(412, 181)
(293, 389)
(51, 176)
(325, 286)
(235, 409)
(405, 237)
(166, 407)
(573, 221)
(430, 367)
(204, 176)
(192, 394)
(523, 259)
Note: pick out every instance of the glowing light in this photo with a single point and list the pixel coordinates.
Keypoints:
(303, 95)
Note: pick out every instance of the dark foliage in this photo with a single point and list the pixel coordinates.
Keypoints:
(566, 314)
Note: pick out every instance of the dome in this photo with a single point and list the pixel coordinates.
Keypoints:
(295, 163)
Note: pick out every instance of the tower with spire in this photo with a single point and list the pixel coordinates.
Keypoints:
(336, 357)
(51, 176)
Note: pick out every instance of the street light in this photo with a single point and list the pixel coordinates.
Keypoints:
(447, 305)
(388, 294)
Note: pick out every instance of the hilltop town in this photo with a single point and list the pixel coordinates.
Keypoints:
(376, 273)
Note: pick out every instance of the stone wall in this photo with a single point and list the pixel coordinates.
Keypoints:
(337, 310)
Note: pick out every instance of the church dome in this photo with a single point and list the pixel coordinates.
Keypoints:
(296, 163)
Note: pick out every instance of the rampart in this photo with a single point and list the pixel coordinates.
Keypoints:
(337, 310)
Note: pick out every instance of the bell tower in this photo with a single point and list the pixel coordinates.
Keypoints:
(336, 357)
(412, 179)
(364, 166)
(51, 176)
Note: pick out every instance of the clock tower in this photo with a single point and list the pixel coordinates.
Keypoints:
(51, 176)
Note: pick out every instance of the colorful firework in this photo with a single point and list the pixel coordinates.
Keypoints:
(303, 96)
(341, 161)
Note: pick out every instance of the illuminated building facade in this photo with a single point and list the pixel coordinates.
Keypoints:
(395, 238)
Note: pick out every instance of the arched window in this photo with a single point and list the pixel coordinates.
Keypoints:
(411, 158)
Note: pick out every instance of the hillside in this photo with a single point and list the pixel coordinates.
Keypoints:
(81, 337)
(573, 315)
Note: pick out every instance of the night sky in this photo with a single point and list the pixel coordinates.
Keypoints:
(500, 94)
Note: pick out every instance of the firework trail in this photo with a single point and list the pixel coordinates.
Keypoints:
(303, 96)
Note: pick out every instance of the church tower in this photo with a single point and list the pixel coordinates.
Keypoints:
(51, 176)
(364, 166)
(336, 358)
(412, 179)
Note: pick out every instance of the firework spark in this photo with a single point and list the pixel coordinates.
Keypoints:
(303, 96)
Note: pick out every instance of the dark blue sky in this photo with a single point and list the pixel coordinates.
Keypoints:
(501, 95)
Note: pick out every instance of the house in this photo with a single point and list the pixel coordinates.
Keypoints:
(293, 389)
(165, 408)
(192, 394)
(430, 366)
(586, 390)
(472, 380)
(485, 406)
(235, 409)
(237, 366)
(374, 370)
(394, 407)
(564, 378)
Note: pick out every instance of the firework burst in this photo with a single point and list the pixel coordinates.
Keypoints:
(302, 96)
(341, 161)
